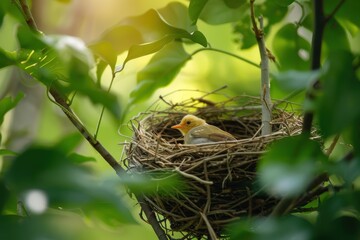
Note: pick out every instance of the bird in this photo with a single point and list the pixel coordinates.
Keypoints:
(196, 131)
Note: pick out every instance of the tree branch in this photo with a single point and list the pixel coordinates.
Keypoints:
(265, 82)
(60, 100)
(319, 25)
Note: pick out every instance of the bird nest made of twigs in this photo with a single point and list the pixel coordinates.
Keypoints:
(220, 179)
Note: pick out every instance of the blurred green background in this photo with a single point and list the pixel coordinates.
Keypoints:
(38, 121)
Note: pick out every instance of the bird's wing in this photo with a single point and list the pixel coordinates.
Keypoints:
(212, 133)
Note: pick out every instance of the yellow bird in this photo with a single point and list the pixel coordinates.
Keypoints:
(196, 131)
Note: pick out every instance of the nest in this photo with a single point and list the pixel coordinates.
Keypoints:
(220, 179)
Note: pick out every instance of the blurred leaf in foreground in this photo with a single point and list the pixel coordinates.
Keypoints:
(290, 165)
(284, 228)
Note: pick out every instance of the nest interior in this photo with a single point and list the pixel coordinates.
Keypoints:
(220, 182)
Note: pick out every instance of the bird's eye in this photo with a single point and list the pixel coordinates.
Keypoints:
(188, 122)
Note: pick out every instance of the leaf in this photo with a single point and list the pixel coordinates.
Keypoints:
(284, 3)
(8, 103)
(293, 80)
(69, 142)
(245, 34)
(159, 72)
(217, 12)
(4, 193)
(116, 41)
(290, 165)
(335, 37)
(349, 171)
(7, 58)
(287, 46)
(65, 184)
(234, 3)
(78, 158)
(176, 15)
(64, 63)
(6, 152)
(283, 228)
(157, 182)
(345, 12)
(337, 105)
(8, 8)
(195, 9)
(335, 219)
(143, 35)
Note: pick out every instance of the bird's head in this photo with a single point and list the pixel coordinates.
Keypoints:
(188, 122)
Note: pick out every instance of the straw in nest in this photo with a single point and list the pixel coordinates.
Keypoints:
(220, 178)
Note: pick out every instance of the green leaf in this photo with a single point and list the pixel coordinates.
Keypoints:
(290, 165)
(8, 103)
(78, 158)
(335, 37)
(8, 8)
(64, 63)
(176, 14)
(287, 45)
(293, 80)
(338, 103)
(245, 34)
(4, 193)
(349, 171)
(289, 227)
(284, 3)
(195, 9)
(7, 58)
(143, 35)
(29, 39)
(234, 3)
(346, 11)
(217, 12)
(160, 71)
(6, 152)
(69, 142)
(335, 219)
(116, 41)
(65, 184)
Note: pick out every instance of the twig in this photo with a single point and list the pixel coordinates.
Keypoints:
(227, 53)
(187, 175)
(331, 15)
(96, 144)
(28, 16)
(319, 25)
(265, 82)
(210, 228)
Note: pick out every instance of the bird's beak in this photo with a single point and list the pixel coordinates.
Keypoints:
(178, 126)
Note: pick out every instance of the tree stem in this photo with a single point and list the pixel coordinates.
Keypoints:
(265, 79)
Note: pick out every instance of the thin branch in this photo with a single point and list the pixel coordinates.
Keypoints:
(60, 100)
(28, 15)
(265, 79)
(332, 14)
(227, 53)
(319, 25)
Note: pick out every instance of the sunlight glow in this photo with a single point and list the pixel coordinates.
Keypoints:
(36, 201)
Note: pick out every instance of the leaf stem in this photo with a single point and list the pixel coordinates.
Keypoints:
(226, 53)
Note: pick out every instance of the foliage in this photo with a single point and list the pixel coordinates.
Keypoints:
(287, 170)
